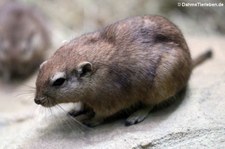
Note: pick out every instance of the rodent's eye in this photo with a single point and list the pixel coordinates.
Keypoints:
(58, 79)
(59, 82)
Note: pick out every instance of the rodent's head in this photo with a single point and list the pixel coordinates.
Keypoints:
(58, 83)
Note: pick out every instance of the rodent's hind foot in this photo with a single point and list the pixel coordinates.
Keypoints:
(138, 116)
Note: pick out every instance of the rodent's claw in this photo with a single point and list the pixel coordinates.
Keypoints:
(83, 110)
(138, 116)
(75, 113)
(93, 122)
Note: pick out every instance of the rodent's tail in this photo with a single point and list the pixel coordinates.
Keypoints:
(200, 59)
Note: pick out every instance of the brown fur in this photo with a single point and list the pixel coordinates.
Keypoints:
(140, 59)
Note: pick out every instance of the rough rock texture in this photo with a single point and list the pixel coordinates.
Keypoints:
(197, 121)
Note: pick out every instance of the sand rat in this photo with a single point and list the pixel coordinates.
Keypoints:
(142, 59)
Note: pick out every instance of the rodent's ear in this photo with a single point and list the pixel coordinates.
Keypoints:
(84, 68)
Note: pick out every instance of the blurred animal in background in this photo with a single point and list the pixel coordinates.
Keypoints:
(24, 40)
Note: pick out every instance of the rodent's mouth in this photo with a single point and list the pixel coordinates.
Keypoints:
(45, 102)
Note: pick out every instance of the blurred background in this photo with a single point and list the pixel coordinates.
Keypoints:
(71, 18)
(66, 19)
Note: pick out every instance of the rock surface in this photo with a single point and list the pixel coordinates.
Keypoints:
(197, 121)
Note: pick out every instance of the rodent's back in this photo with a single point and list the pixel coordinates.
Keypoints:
(150, 54)
(139, 58)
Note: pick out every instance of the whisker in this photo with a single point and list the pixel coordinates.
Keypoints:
(28, 90)
(69, 123)
(58, 119)
(19, 94)
(66, 121)
(31, 87)
(24, 92)
(83, 127)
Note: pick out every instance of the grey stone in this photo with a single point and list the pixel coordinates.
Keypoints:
(197, 121)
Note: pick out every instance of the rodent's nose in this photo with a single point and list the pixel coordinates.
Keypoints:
(37, 101)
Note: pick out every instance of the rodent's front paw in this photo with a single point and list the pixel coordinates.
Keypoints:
(75, 113)
(83, 110)
(93, 122)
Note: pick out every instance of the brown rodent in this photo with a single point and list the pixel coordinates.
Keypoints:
(137, 60)
(24, 39)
